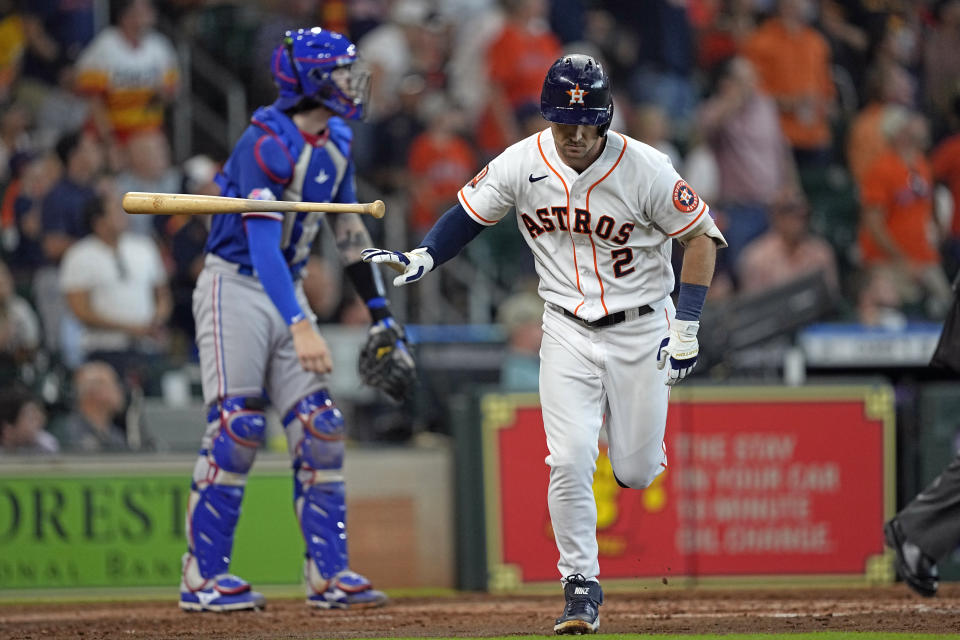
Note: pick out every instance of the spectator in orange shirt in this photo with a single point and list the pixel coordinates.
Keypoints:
(896, 222)
(130, 73)
(516, 60)
(440, 162)
(793, 62)
(886, 84)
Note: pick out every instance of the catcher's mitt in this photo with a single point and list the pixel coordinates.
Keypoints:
(385, 362)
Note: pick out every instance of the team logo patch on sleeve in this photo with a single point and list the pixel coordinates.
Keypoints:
(685, 199)
(480, 176)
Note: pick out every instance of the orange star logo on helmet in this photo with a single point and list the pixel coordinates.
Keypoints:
(576, 95)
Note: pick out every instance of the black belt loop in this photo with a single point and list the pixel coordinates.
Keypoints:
(606, 321)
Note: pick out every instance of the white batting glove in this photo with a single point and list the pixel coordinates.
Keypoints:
(680, 346)
(412, 265)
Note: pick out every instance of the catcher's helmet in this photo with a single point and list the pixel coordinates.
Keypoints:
(302, 67)
(577, 91)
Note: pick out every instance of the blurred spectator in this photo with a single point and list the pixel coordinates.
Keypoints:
(531, 121)
(440, 162)
(14, 136)
(148, 168)
(56, 33)
(849, 41)
(394, 133)
(19, 325)
(567, 19)
(725, 35)
(878, 300)
(741, 125)
(945, 163)
(617, 40)
(23, 424)
(650, 124)
(353, 311)
(12, 47)
(475, 24)
(116, 286)
(63, 222)
(60, 112)
(788, 250)
(279, 17)
(521, 316)
(793, 62)
(364, 15)
(130, 74)
(322, 286)
(187, 236)
(410, 42)
(897, 214)
(899, 41)
(665, 59)
(98, 400)
(516, 60)
(885, 85)
(21, 228)
(941, 59)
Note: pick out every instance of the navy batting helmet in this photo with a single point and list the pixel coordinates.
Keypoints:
(577, 91)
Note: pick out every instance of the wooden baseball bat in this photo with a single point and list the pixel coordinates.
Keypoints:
(187, 204)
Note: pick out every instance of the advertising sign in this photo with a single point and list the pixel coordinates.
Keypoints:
(128, 529)
(761, 483)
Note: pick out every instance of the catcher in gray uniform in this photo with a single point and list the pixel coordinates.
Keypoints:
(259, 344)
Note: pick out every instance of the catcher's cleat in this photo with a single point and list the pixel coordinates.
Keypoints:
(224, 593)
(347, 590)
(582, 611)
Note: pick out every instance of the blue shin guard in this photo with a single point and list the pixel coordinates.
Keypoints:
(236, 427)
(315, 430)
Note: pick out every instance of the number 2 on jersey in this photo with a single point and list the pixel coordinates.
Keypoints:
(621, 258)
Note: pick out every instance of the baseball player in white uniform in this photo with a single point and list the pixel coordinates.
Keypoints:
(598, 210)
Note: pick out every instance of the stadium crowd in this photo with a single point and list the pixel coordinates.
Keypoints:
(825, 134)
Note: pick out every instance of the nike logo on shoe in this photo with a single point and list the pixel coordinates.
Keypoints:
(532, 179)
(581, 591)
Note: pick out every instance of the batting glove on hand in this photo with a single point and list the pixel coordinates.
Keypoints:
(385, 362)
(412, 265)
(681, 348)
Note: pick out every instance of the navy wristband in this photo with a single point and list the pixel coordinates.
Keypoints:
(690, 301)
(450, 234)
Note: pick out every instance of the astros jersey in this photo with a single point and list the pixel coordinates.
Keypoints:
(273, 154)
(129, 78)
(601, 238)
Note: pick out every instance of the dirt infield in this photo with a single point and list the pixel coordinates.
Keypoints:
(885, 609)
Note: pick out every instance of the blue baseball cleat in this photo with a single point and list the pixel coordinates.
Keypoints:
(582, 611)
(224, 593)
(346, 590)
